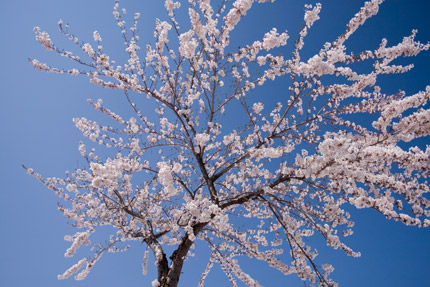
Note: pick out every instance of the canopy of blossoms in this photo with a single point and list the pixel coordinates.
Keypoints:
(288, 172)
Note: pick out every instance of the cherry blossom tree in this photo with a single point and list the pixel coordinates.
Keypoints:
(287, 171)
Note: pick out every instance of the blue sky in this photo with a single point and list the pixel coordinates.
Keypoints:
(36, 114)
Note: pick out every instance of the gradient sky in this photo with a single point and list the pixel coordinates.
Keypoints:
(36, 112)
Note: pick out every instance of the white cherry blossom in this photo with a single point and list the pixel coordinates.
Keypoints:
(258, 187)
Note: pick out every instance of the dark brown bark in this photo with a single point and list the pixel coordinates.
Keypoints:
(169, 276)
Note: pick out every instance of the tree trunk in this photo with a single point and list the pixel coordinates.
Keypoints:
(168, 276)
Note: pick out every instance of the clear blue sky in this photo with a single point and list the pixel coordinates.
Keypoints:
(36, 112)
